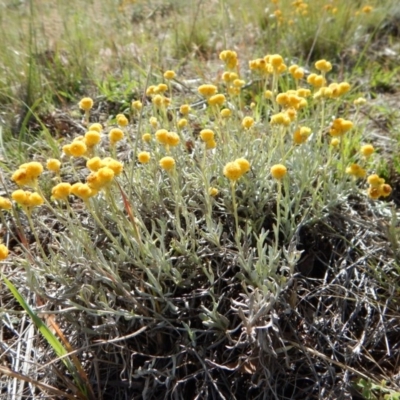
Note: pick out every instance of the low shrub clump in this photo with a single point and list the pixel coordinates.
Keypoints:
(216, 247)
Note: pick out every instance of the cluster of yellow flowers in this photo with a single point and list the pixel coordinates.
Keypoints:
(236, 169)
(339, 127)
(207, 135)
(27, 174)
(377, 187)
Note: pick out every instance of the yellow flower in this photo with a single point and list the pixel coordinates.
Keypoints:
(3, 252)
(356, 171)
(233, 171)
(167, 163)
(367, 150)
(340, 126)
(212, 191)
(211, 144)
(278, 171)
(144, 157)
(33, 169)
(115, 135)
(96, 127)
(229, 57)
(5, 204)
(122, 120)
(359, 101)
(114, 165)
(182, 123)
(276, 61)
(161, 88)
(153, 122)
(77, 149)
(92, 138)
(169, 75)
(173, 139)
(158, 100)
(184, 109)
(27, 199)
(53, 165)
(83, 191)
(385, 190)
(19, 196)
(335, 142)
(207, 90)
(146, 137)
(323, 65)
(94, 164)
(217, 100)
(67, 150)
(374, 192)
(375, 180)
(316, 80)
(206, 135)
(280, 119)
(301, 135)
(162, 136)
(302, 92)
(225, 113)
(247, 122)
(86, 104)
(137, 105)
(244, 165)
(151, 90)
(367, 9)
(61, 191)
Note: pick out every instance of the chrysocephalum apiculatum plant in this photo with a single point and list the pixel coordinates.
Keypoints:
(227, 178)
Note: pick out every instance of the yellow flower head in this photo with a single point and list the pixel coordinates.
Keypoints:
(27, 199)
(206, 135)
(247, 122)
(301, 135)
(184, 109)
(323, 65)
(112, 164)
(229, 57)
(61, 191)
(367, 150)
(144, 157)
(53, 165)
(211, 144)
(122, 120)
(162, 136)
(182, 123)
(280, 119)
(92, 138)
(173, 139)
(96, 127)
(360, 101)
(225, 113)
(67, 150)
(375, 180)
(169, 75)
(167, 163)
(33, 169)
(356, 170)
(5, 204)
(207, 90)
(146, 137)
(3, 252)
(340, 126)
(27, 173)
(374, 192)
(233, 171)
(161, 88)
(385, 190)
(367, 9)
(335, 142)
(158, 100)
(137, 105)
(217, 100)
(94, 164)
(86, 104)
(153, 122)
(212, 191)
(115, 135)
(83, 191)
(244, 165)
(278, 171)
(77, 148)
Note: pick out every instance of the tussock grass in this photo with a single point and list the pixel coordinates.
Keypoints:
(247, 254)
